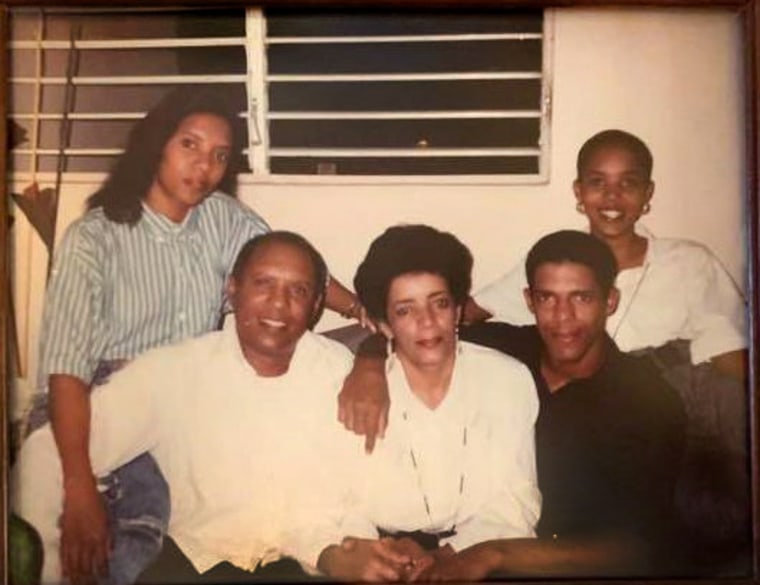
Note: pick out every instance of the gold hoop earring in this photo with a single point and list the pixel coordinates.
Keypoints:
(646, 209)
(580, 208)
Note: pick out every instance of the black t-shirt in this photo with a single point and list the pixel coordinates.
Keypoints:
(608, 447)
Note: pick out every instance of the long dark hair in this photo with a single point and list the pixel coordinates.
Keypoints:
(134, 171)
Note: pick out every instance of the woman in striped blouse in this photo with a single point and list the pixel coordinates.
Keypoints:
(144, 267)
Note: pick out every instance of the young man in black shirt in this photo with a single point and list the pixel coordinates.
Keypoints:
(609, 434)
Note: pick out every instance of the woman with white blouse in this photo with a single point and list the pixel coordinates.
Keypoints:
(457, 465)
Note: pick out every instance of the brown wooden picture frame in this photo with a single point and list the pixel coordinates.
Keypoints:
(749, 10)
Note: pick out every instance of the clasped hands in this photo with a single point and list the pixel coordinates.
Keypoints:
(384, 559)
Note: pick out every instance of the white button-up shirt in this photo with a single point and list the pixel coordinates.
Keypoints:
(257, 467)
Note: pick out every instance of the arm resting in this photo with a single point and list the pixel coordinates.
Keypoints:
(364, 402)
(474, 313)
(85, 540)
(539, 558)
(70, 420)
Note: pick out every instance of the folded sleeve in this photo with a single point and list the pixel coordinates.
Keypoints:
(72, 334)
(717, 311)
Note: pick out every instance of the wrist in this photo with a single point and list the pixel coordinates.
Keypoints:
(488, 558)
(371, 366)
(352, 311)
(78, 482)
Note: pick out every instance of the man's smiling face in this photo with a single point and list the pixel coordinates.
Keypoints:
(275, 298)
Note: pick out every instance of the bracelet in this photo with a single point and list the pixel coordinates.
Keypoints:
(350, 312)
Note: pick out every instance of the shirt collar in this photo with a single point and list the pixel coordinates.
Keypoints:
(298, 361)
(652, 246)
(644, 232)
(161, 227)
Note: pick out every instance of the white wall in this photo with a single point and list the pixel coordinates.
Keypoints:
(672, 76)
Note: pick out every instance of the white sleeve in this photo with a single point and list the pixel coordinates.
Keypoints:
(514, 503)
(717, 311)
(504, 298)
(122, 428)
(126, 411)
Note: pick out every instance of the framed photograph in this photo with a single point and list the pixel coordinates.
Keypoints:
(355, 116)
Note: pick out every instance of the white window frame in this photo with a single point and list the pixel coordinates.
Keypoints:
(258, 122)
(256, 78)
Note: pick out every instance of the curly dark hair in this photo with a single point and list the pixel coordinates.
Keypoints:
(408, 249)
(575, 247)
(127, 185)
(616, 138)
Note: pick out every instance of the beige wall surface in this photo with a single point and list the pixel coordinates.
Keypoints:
(672, 76)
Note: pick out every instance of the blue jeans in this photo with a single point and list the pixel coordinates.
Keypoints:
(136, 497)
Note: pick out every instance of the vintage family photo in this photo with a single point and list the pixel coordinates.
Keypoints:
(328, 294)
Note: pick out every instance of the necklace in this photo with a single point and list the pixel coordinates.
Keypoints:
(415, 457)
(630, 300)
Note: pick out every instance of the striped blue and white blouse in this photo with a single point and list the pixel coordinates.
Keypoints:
(116, 290)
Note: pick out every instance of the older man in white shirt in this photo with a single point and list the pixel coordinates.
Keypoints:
(240, 421)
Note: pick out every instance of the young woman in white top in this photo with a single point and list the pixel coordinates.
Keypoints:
(669, 288)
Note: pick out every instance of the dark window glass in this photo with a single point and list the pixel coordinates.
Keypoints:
(427, 57)
(466, 133)
(281, 23)
(496, 128)
(374, 96)
(405, 166)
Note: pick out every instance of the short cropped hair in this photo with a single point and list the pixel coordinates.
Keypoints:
(405, 249)
(575, 247)
(619, 139)
(292, 239)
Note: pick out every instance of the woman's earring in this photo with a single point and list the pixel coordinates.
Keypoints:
(646, 209)
(391, 355)
(580, 208)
